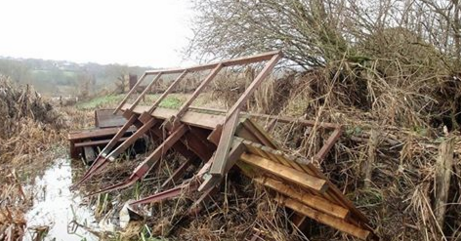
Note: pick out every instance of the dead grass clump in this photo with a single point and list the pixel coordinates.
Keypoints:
(30, 125)
(406, 94)
(12, 207)
(30, 129)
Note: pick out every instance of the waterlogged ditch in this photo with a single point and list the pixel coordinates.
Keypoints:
(55, 207)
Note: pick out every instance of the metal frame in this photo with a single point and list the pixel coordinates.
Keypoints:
(145, 122)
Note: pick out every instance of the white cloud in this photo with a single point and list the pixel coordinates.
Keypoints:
(136, 32)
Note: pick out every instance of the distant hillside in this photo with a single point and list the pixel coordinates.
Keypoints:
(63, 78)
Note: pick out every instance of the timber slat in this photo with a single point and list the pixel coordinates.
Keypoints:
(324, 218)
(285, 172)
(89, 134)
(97, 143)
(308, 199)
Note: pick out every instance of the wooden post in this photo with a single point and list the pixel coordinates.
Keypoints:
(132, 79)
(443, 170)
(232, 119)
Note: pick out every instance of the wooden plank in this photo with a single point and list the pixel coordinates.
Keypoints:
(259, 135)
(307, 169)
(97, 143)
(231, 62)
(215, 135)
(282, 160)
(120, 133)
(130, 140)
(326, 219)
(217, 116)
(328, 144)
(280, 119)
(236, 151)
(285, 172)
(225, 142)
(151, 160)
(339, 196)
(90, 134)
(104, 118)
(312, 201)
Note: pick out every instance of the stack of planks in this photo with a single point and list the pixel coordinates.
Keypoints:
(297, 184)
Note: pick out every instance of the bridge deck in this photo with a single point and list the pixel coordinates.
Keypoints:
(217, 140)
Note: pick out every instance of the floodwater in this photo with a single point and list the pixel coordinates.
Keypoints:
(55, 206)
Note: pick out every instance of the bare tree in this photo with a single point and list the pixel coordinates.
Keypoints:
(315, 32)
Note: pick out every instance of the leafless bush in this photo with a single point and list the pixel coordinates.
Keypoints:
(387, 66)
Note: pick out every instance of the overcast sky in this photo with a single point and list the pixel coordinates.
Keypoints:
(134, 32)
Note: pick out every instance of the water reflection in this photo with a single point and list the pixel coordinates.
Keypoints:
(54, 205)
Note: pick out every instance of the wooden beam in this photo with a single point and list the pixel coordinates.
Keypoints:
(89, 134)
(328, 144)
(128, 142)
(285, 172)
(97, 143)
(197, 146)
(281, 119)
(237, 149)
(226, 63)
(178, 146)
(312, 201)
(210, 119)
(215, 135)
(159, 152)
(225, 142)
(326, 219)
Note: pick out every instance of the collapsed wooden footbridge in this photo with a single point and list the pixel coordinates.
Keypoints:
(217, 141)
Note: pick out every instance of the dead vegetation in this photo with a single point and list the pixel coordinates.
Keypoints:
(397, 160)
(30, 128)
(388, 71)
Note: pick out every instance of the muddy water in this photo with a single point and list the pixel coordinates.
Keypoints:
(55, 206)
